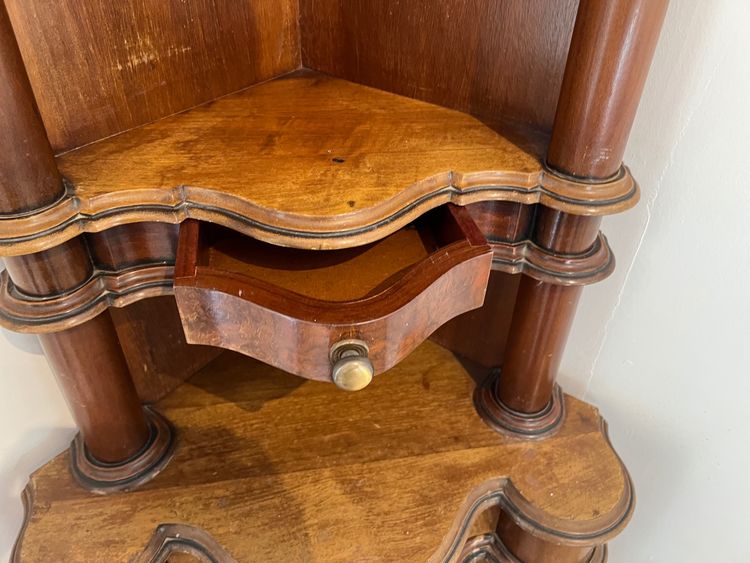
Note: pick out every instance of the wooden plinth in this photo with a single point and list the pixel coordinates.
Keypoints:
(270, 467)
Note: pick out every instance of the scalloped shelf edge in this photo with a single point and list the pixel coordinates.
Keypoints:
(74, 214)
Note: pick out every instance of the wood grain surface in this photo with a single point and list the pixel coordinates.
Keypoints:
(29, 178)
(609, 57)
(278, 145)
(99, 67)
(93, 375)
(494, 59)
(277, 469)
(306, 160)
(610, 54)
(149, 330)
(248, 297)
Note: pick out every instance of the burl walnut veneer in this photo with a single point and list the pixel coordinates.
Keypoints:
(321, 185)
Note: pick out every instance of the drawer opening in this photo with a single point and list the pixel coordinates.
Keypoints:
(341, 275)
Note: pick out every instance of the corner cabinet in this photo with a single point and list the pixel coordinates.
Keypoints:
(305, 272)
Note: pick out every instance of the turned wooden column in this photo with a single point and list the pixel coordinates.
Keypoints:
(610, 53)
(543, 316)
(28, 175)
(87, 359)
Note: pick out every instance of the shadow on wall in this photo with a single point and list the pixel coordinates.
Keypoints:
(671, 96)
(35, 425)
(27, 343)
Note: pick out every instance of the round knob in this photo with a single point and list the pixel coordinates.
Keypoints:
(352, 370)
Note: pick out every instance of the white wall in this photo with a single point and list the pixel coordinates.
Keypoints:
(34, 425)
(661, 347)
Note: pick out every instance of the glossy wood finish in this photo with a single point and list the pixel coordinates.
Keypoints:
(542, 317)
(563, 233)
(306, 148)
(314, 162)
(132, 245)
(503, 221)
(610, 54)
(93, 374)
(480, 335)
(55, 271)
(60, 311)
(117, 447)
(28, 176)
(278, 469)
(129, 473)
(149, 329)
(86, 359)
(307, 161)
(247, 296)
(606, 32)
(541, 264)
(69, 266)
(502, 59)
(133, 263)
(102, 67)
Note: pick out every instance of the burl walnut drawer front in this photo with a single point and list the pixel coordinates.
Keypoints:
(341, 315)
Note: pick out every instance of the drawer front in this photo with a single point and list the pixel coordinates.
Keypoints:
(330, 315)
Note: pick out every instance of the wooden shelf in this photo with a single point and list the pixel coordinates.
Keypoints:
(274, 468)
(305, 160)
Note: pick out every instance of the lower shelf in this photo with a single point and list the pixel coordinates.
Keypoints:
(270, 467)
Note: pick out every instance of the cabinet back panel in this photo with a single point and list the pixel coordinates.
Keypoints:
(490, 58)
(99, 67)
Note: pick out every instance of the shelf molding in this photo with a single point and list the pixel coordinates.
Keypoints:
(24, 313)
(105, 288)
(489, 548)
(76, 213)
(534, 261)
(171, 539)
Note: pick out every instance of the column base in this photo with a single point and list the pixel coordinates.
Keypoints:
(516, 424)
(103, 478)
(489, 548)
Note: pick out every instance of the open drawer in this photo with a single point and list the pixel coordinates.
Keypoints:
(341, 315)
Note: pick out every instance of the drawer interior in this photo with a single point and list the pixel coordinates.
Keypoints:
(334, 275)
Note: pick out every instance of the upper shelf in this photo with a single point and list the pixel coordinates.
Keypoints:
(305, 160)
